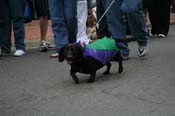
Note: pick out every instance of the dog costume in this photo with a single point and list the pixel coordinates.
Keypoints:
(102, 50)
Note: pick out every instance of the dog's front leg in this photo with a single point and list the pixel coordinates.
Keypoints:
(92, 78)
(74, 77)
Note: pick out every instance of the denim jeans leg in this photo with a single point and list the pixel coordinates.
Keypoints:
(56, 8)
(116, 24)
(136, 20)
(17, 14)
(19, 32)
(70, 10)
(5, 26)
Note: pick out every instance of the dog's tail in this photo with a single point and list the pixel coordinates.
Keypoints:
(127, 40)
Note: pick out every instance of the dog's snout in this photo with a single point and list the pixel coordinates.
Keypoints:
(69, 58)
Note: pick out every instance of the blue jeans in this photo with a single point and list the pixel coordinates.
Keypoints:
(116, 18)
(64, 22)
(12, 18)
(116, 24)
(136, 20)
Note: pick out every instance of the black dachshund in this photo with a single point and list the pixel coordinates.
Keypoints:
(81, 62)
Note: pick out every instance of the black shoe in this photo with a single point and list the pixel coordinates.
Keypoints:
(4, 52)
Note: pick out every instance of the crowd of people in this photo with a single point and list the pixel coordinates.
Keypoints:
(69, 25)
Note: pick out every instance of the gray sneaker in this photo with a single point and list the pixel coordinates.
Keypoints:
(44, 46)
(143, 50)
(125, 56)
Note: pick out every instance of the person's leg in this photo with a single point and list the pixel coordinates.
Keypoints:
(163, 17)
(56, 8)
(137, 24)
(173, 6)
(5, 27)
(117, 25)
(41, 7)
(43, 27)
(82, 18)
(153, 16)
(70, 11)
(44, 45)
(103, 28)
(17, 13)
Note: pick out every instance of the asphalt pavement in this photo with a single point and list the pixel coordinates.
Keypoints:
(35, 85)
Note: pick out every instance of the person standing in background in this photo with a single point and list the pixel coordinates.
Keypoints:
(159, 14)
(173, 6)
(103, 27)
(64, 22)
(41, 7)
(116, 20)
(12, 17)
(82, 14)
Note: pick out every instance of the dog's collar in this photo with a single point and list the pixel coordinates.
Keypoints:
(83, 47)
(77, 61)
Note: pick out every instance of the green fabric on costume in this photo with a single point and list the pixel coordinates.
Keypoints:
(103, 44)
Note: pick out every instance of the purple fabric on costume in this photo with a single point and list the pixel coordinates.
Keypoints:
(104, 56)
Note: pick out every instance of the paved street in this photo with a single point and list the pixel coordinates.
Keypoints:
(35, 85)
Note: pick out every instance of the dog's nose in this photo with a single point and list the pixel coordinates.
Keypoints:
(69, 58)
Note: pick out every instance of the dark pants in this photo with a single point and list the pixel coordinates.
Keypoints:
(12, 12)
(173, 6)
(159, 13)
(103, 28)
(41, 7)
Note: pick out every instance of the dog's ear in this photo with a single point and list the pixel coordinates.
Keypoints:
(81, 46)
(61, 54)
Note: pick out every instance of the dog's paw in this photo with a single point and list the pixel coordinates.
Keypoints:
(106, 73)
(76, 82)
(120, 70)
(90, 81)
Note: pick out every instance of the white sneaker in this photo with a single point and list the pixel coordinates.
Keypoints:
(162, 35)
(19, 53)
